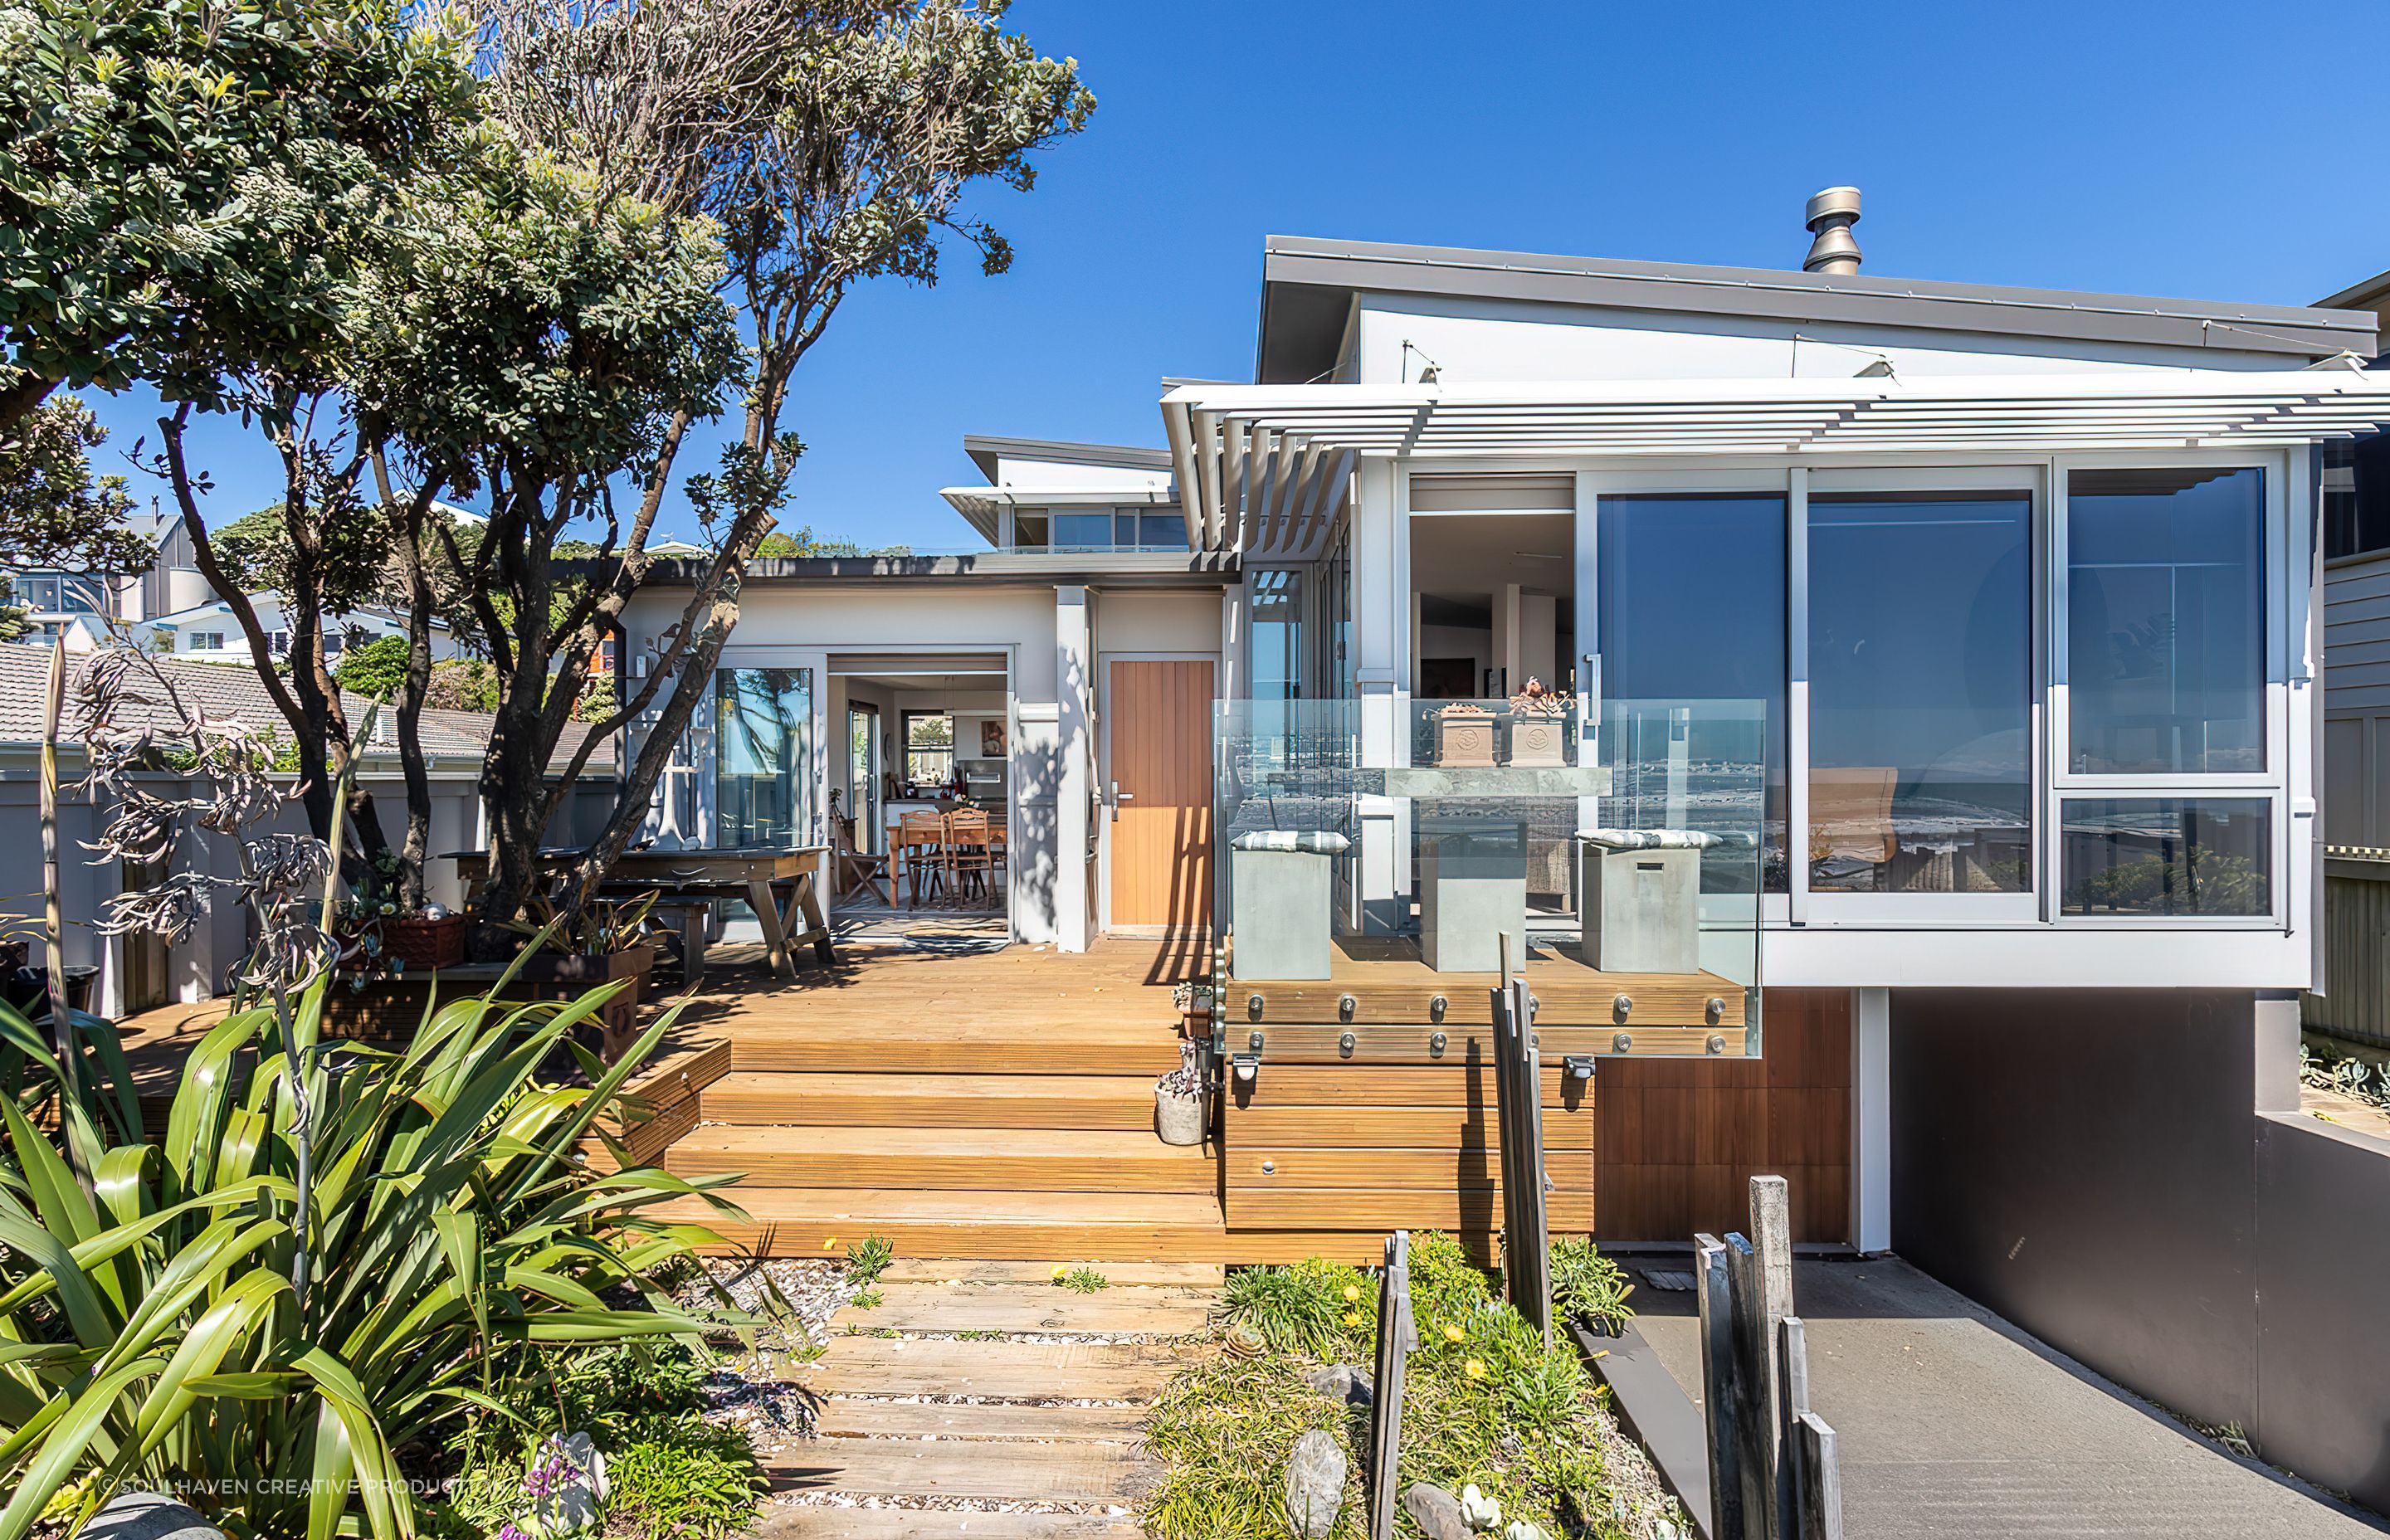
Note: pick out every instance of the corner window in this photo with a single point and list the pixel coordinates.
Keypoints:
(1029, 530)
(2165, 857)
(2166, 622)
(1920, 693)
(1083, 532)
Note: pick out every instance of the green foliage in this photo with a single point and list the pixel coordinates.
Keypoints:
(867, 1258)
(1323, 1308)
(54, 512)
(2191, 879)
(186, 180)
(1486, 1402)
(463, 685)
(167, 1329)
(672, 1473)
(376, 670)
(1083, 1280)
(1587, 1286)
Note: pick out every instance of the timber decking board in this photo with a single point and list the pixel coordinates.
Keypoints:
(1172, 1274)
(835, 1522)
(1379, 1209)
(1390, 1128)
(985, 1160)
(1471, 1167)
(848, 1417)
(1046, 1308)
(1439, 1084)
(954, 1467)
(1389, 984)
(1094, 1371)
(1121, 1102)
(802, 1222)
(1312, 1043)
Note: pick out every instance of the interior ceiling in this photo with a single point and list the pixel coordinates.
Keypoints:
(1467, 555)
(959, 683)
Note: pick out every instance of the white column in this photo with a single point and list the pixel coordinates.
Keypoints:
(1509, 651)
(1383, 648)
(1871, 1120)
(1075, 767)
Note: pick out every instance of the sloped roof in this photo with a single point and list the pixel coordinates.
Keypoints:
(233, 691)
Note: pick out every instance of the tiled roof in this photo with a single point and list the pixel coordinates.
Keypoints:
(233, 691)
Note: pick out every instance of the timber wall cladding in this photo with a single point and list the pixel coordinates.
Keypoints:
(1161, 731)
(1368, 1146)
(1678, 1140)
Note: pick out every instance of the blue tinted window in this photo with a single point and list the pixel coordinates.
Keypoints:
(1691, 608)
(2165, 621)
(1083, 532)
(1165, 532)
(1920, 678)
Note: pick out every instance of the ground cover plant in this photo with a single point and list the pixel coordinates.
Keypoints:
(1487, 1403)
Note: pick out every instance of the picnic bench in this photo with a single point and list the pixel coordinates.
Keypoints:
(782, 884)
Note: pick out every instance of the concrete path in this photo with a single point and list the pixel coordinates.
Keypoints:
(1953, 1422)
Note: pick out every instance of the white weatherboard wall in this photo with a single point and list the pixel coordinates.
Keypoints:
(1049, 750)
(2357, 701)
(1495, 340)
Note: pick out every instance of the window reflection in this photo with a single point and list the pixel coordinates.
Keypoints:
(2165, 857)
(2165, 641)
(1919, 695)
(762, 756)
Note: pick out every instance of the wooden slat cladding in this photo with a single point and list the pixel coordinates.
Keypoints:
(1362, 1145)
(1388, 984)
(1159, 727)
(1680, 1139)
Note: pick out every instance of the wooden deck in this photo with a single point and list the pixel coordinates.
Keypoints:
(971, 1100)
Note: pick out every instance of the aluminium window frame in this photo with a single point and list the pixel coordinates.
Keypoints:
(2284, 619)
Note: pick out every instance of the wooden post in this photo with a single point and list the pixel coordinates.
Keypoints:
(1821, 1496)
(1771, 1237)
(1793, 1394)
(1755, 1391)
(1714, 1292)
(1397, 1338)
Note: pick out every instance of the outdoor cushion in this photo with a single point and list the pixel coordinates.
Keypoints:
(1650, 839)
(1309, 841)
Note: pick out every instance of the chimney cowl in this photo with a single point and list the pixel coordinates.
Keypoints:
(1830, 215)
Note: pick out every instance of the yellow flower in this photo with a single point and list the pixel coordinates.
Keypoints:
(1452, 1334)
(1352, 1293)
(1062, 1272)
(1351, 1317)
(830, 1242)
(1474, 1369)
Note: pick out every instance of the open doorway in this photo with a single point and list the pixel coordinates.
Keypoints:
(1495, 611)
(925, 783)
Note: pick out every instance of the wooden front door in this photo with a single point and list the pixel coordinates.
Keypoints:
(1158, 726)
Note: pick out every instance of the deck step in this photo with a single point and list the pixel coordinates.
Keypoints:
(1077, 1472)
(1000, 1369)
(932, 1100)
(1142, 1274)
(830, 1522)
(986, 1160)
(1126, 1226)
(1043, 1309)
(963, 1035)
(850, 1417)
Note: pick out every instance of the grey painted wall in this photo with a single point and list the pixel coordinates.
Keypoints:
(2125, 1174)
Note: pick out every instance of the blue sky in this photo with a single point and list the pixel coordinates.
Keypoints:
(2209, 151)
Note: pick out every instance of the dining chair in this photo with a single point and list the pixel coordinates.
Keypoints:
(970, 850)
(921, 836)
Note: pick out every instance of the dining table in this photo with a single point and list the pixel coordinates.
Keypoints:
(781, 883)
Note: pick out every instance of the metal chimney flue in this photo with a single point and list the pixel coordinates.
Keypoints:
(1831, 214)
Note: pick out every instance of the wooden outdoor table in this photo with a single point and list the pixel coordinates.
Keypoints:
(781, 883)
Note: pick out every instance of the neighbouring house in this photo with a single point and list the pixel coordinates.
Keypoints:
(210, 630)
(81, 605)
(137, 972)
(1970, 633)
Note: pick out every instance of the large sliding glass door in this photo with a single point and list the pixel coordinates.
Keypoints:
(768, 767)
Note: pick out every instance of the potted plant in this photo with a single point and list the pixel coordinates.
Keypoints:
(379, 934)
(1538, 725)
(1464, 736)
(1178, 1101)
(601, 945)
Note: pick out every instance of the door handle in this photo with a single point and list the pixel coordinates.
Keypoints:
(1119, 797)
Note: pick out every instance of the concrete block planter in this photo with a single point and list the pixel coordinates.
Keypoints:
(1464, 738)
(1281, 896)
(1638, 899)
(1472, 892)
(1538, 739)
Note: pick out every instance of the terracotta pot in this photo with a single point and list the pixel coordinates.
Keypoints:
(424, 944)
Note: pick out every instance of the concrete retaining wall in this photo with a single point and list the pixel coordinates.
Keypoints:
(2125, 1175)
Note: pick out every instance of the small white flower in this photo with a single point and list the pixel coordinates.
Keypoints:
(1522, 1529)
(1481, 1511)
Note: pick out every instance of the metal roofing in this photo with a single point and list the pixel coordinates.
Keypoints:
(232, 691)
(1309, 287)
